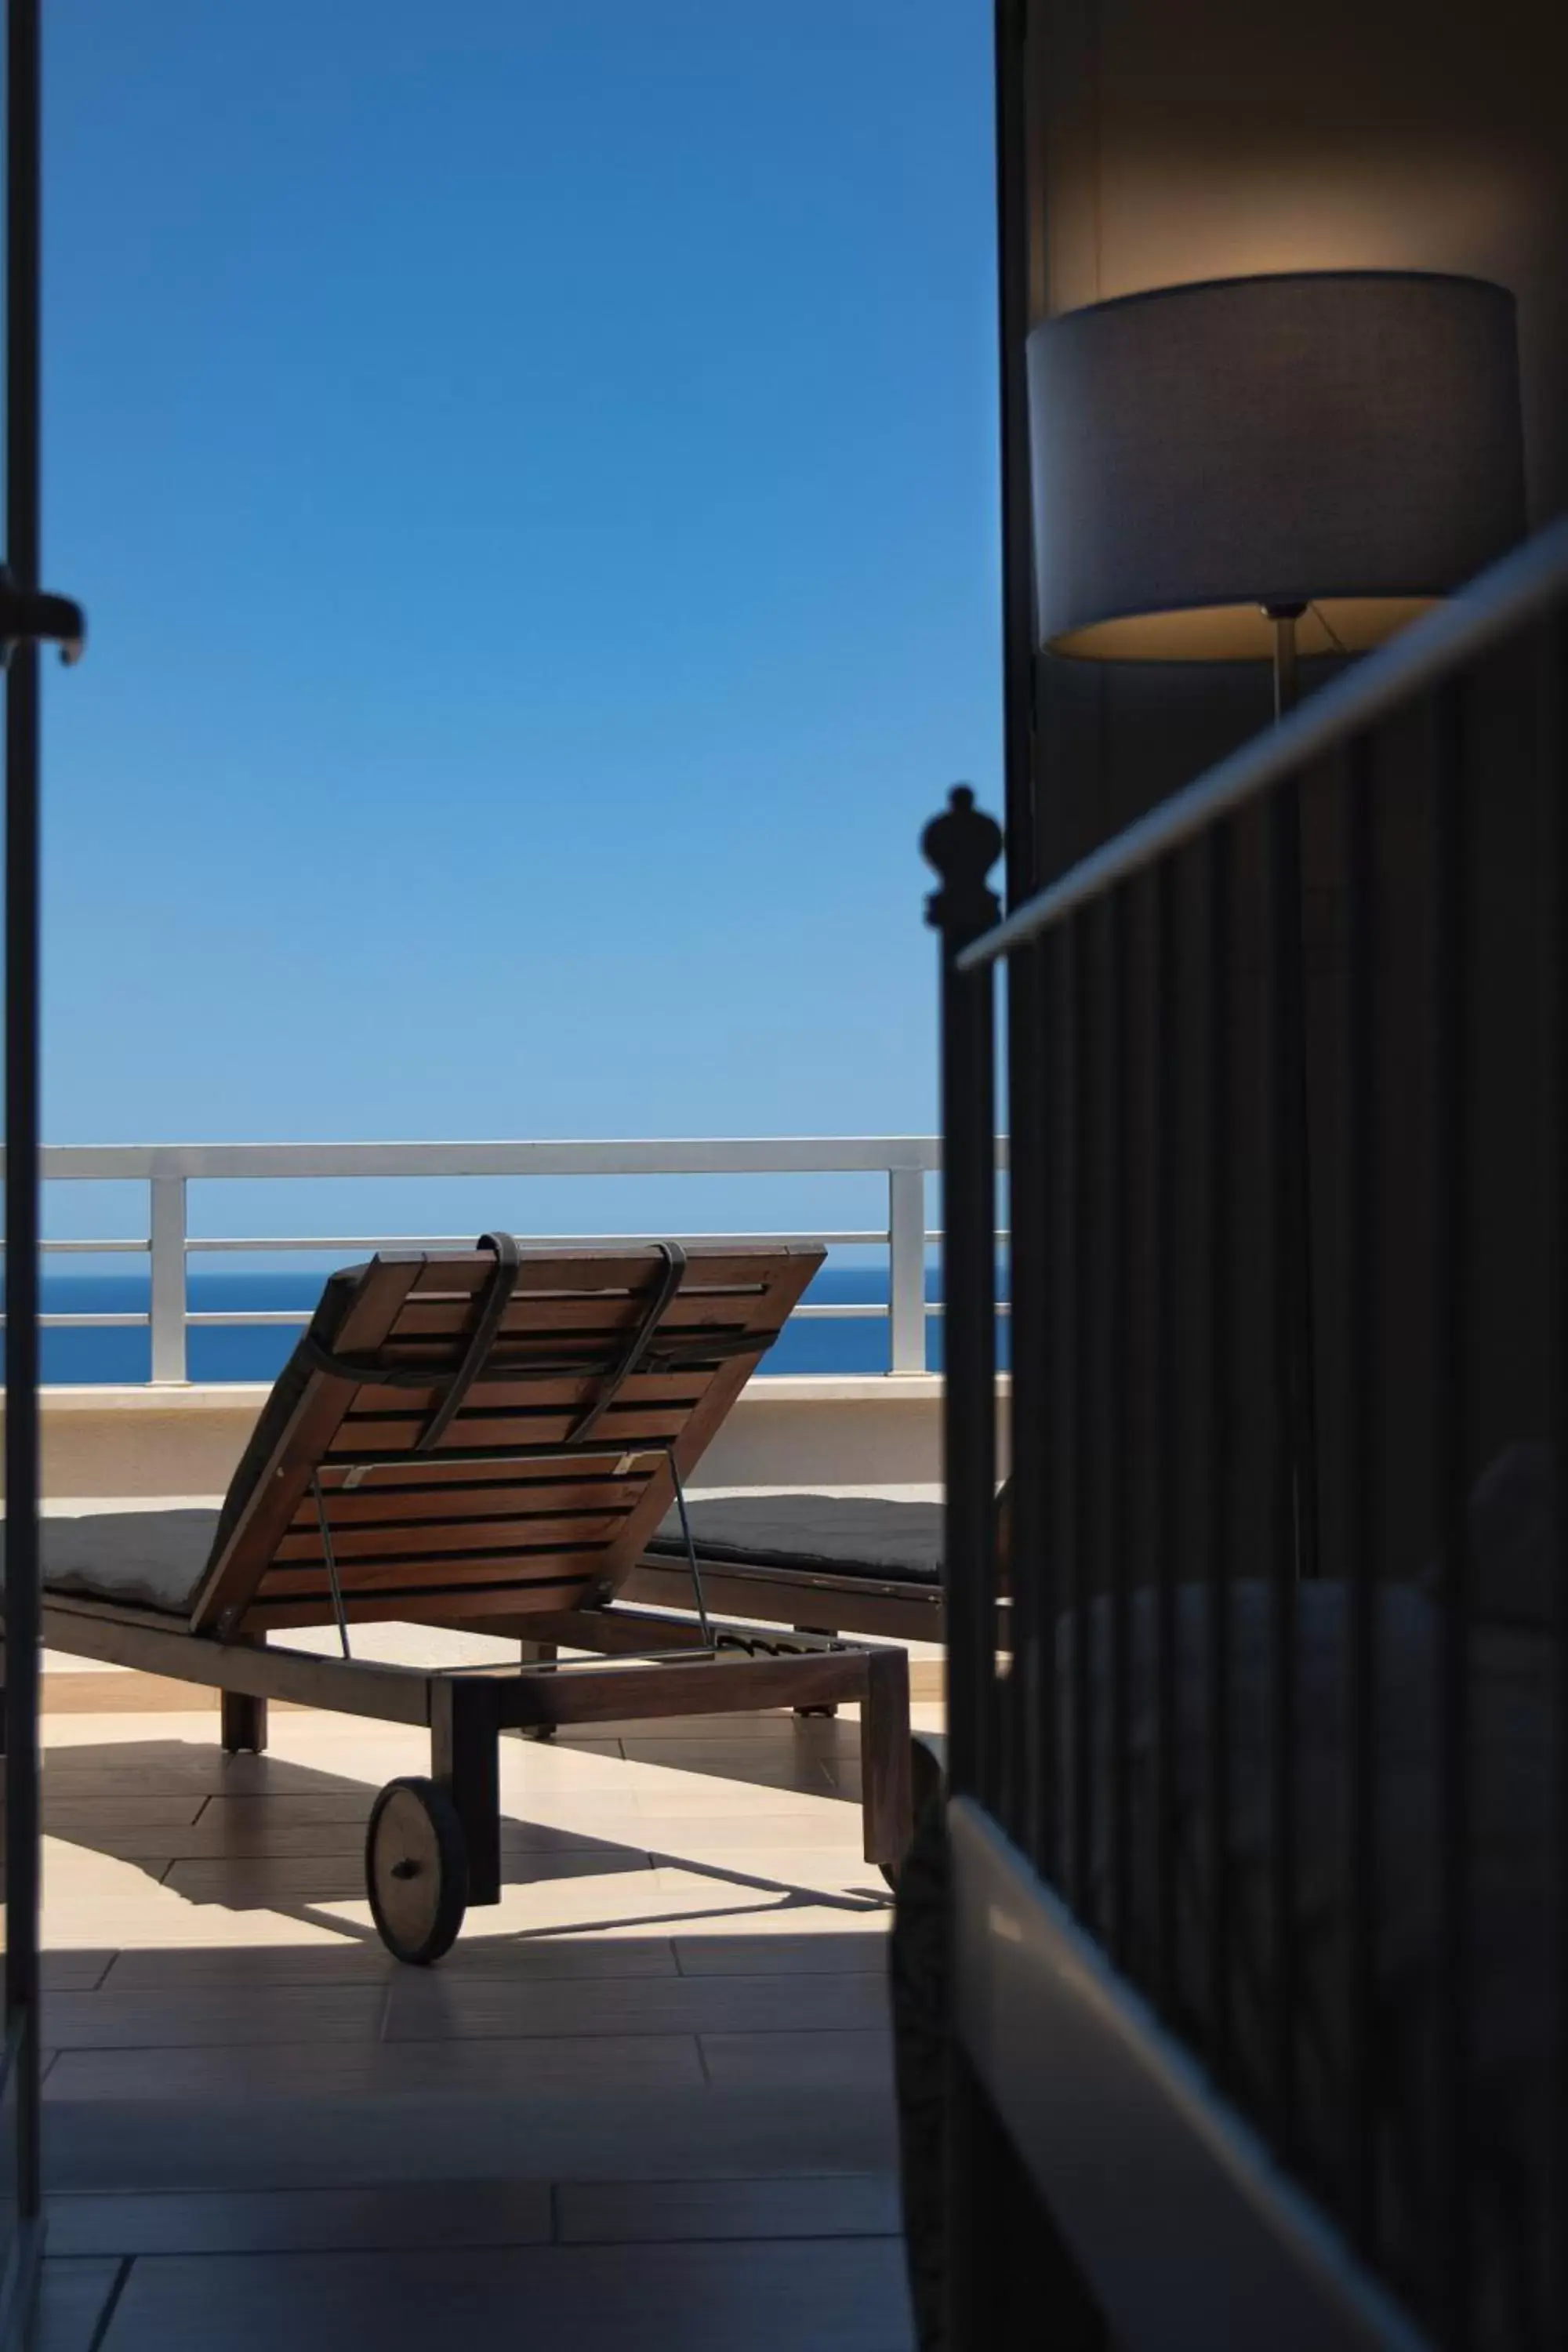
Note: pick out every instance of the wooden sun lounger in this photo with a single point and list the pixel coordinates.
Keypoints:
(487, 1440)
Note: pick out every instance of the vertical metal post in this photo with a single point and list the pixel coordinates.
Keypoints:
(1219, 1204)
(1019, 634)
(962, 846)
(22, 1075)
(1162, 1520)
(1029, 1555)
(905, 1270)
(1552, 704)
(1360, 1169)
(167, 1306)
(1114, 1417)
(1284, 1209)
(1446, 978)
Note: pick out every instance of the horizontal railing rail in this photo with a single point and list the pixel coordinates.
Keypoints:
(169, 1169)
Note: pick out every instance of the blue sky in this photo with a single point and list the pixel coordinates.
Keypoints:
(531, 471)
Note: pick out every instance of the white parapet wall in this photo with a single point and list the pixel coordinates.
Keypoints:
(786, 1430)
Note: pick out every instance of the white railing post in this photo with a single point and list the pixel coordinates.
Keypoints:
(905, 1270)
(167, 1234)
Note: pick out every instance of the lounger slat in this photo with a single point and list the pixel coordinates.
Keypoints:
(471, 1534)
(537, 1390)
(451, 1489)
(601, 1321)
(452, 1602)
(571, 1272)
(634, 1426)
(515, 1565)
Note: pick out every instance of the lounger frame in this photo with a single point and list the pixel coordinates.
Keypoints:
(647, 1666)
(886, 1609)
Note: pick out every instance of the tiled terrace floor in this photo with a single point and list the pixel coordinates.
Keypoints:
(646, 2103)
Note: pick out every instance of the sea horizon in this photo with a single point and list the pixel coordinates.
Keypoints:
(120, 1354)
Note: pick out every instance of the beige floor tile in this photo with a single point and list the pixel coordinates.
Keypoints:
(575, 2067)
(852, 1945)
(430, 2005)
(67, 1814)
(521, 1959)
(850, 2059)
(73, 2297)
(259, 1882)
(832, 2295)
(737, 1833)
(268, 1833)
(395, 2215)
(74, 1971)
(818, 2205)
(163, 1920)
(190, 2018)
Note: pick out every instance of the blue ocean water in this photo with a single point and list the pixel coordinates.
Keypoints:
(81, 1357)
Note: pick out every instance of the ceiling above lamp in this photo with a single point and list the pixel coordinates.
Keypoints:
(1343, 447)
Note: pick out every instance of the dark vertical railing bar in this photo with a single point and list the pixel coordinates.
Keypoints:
(1220, 1194)
(962, 846)
(1449, 1265)
(1010, 31)
(1291, 1470)
(1289, 1071)
(1552, 786)
(1078, 1555)
(1112, 1417)
(1031, 1692)
(1359, 1169)
(1023, 1724)
(1065, 1405)
(1162, 1516)
(22, 1085)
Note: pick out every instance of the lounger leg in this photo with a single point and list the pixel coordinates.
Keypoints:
(242, 1722)
(465, 1760)
(887, 1805)
(804, 1712)
(538, 1654)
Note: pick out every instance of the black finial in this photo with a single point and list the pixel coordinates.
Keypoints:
(963, 844)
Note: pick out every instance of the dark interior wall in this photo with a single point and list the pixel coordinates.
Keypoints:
(1179, 140)
(1187, 139)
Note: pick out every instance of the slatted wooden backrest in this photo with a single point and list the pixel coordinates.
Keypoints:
(503, 1513)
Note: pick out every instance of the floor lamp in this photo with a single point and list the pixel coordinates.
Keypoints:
(1270, 469)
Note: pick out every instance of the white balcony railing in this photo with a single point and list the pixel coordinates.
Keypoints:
(167, 1170)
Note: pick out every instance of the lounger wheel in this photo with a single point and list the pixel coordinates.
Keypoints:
(416, 1869)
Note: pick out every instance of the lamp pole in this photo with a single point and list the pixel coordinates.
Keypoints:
(1298, 1347)
(1287, 681)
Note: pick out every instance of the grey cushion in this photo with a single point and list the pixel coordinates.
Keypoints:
(156, 1557)
(152, 1558)
(858, 1535)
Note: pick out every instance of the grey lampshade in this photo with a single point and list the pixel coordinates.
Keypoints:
(1346, 441)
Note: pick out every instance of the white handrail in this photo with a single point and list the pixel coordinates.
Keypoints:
(169, 1169)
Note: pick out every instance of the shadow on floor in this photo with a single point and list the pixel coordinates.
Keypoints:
(267, 1834)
